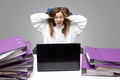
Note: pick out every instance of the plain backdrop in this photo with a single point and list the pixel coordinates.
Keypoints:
(102, 28)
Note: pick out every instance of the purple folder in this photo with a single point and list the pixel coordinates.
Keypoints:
(28, 45)
(22, 56)
(107, 65)
(5, 77)
(29, 51)
(85, 63)
(89, 70)
(19, 75)
(11, 77)
(16, 59)
(16, 64)
(103, 54)
(11, 44)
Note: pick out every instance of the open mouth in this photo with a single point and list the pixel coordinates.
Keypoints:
(59, 23)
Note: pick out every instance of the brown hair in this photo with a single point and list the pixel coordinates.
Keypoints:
(65, 11)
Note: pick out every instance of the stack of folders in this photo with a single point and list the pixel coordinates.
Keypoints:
(101, 62)
(16, 59)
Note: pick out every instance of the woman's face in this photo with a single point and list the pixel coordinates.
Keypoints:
(59, 19)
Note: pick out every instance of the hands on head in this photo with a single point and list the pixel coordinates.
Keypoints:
(52, 12)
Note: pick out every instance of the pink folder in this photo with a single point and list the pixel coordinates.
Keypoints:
(11, 44)
(103, 54)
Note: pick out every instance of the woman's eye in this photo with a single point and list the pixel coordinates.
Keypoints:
(61, 17)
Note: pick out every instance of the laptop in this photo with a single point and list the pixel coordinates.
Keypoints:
(58, 57)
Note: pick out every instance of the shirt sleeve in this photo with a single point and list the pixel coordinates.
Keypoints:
(79, 23)
(39, 20)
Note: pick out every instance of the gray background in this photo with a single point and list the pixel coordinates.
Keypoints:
(102, 28)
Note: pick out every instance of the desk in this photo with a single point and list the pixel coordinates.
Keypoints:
(63, 75)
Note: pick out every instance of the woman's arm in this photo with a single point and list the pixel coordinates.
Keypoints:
(79, 20)
(38, 20)
(78, 23)
(38, 17)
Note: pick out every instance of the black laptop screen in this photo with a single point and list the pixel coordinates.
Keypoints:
(57, 53)
(58, 50)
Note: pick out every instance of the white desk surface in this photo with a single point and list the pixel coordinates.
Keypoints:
(63, 75)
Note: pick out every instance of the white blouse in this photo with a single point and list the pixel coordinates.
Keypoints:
(39, 21)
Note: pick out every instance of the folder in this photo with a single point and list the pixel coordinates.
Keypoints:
(90, 70)
(103, 55)
(109, 69)
(4, 77)
(14, 74)
(110, 65)
(28, 46)
(11, 44)
(15, 57)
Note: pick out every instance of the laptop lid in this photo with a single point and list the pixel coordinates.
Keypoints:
(58, 57)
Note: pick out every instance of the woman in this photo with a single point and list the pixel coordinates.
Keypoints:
(58, 25)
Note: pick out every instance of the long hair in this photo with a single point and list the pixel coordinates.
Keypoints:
(65, 11)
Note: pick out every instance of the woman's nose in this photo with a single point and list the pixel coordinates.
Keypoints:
(58, 19)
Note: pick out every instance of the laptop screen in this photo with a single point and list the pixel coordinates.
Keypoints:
(57, 55)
